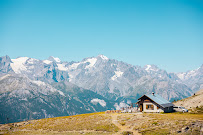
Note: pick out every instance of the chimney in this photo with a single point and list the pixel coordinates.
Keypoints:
(153, 93)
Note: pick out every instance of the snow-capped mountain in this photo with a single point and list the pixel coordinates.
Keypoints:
(85, 86)
(193, 78)
(54, 59)
(105, 76)
(46, 70)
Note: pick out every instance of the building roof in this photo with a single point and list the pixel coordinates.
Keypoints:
(158, 99)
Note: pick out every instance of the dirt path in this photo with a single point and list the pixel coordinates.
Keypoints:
(122, 128)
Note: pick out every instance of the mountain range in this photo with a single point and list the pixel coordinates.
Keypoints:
(33, 89)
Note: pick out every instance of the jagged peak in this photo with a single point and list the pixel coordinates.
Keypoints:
(54, 59)
(103, 57)
(151, 67)
(100, 56)
(201, 67)
(5, 58)
(22, 59)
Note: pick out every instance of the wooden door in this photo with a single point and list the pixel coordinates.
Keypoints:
(141, 107)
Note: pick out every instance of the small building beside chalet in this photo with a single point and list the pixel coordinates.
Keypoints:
(154, 103)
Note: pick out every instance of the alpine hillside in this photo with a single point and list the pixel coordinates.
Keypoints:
(33, 89)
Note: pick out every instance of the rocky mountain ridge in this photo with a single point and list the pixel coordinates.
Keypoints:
(23, 99)
(84, 86)
(106, 76)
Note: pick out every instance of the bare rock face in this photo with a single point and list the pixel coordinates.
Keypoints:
(24, 99)
(193, 78)
(29, 85)
(107, 77)
(5, 65)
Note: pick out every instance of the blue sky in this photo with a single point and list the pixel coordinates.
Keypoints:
(165, 33)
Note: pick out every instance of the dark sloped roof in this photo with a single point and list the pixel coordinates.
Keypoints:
(167, 105)
(159, 100)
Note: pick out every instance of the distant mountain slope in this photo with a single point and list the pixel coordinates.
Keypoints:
(107, 77)
(5, 65)
(93, 84)
(193, 78)
(192, 102)
(22, 98)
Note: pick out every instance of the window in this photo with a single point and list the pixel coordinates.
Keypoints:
(146, 100)
(150, 107)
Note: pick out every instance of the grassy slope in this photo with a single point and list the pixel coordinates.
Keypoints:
(193, 103)
(101, 123)
(93, 122)
(167, 123)
(107, 124)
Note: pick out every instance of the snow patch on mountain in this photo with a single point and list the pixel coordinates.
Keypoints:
(120, 105)
(74, 66)
(148, 67)
(192, 73)
(31, 61)
(117, 74)
(96, 101)
(70, 77)
(181, 75)
(39, 83)
(187, 75)
(92, 61)
(61, 93)
(18, 64)
(103, 57)
(5, 76)
(56, 59)
(62, 67)
(47, 61)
